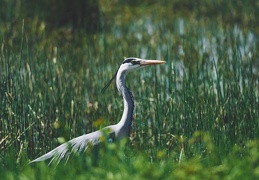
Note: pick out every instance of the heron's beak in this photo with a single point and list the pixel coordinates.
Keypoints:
(144, 62)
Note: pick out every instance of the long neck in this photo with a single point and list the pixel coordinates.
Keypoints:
(128, 100)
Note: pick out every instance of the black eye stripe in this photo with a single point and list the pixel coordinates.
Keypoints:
(134, 62)
(128, 60)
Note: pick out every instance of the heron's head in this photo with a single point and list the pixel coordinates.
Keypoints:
(132, 63)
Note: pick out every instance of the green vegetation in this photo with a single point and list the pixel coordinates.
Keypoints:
(196, 117)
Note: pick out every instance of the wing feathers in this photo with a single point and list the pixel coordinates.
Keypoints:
(65, 150)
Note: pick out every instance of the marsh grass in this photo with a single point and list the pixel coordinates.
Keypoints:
(199, 110)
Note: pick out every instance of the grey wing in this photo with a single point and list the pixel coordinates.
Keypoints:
(78, 144)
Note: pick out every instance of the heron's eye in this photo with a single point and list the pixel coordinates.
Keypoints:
(133, 62)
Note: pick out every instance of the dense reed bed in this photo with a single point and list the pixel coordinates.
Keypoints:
(196, 116)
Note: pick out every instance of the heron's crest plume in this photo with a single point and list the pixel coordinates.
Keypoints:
(126, 60)
(108, 84)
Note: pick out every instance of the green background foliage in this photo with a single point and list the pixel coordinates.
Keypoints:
(196, 117)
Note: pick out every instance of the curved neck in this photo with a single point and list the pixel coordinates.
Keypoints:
(128, 100)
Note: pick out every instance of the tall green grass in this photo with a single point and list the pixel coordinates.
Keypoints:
(199, 110)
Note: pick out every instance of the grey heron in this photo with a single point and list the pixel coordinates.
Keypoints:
(117, 131)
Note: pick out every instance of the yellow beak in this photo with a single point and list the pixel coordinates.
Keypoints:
(146, 62)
